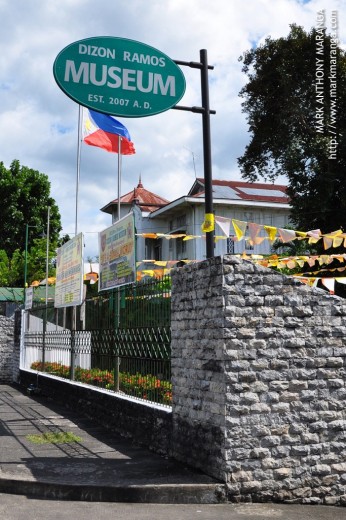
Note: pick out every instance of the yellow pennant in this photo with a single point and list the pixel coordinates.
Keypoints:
(314, 240)
(308, 281)
(337, 241)
(271, 232)
(149, 235)
(239, 228)
(209, 223)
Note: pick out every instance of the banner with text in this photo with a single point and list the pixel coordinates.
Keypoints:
(69, 273)
(117, 254)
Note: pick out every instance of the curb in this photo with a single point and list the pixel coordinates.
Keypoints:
(154, 494)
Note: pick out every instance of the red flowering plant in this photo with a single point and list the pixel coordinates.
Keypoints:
(146, 387)
(56, 369)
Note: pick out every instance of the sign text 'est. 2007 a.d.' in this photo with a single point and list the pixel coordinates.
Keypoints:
(119, 76)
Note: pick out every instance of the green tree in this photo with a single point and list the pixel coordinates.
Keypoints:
(25, 198)
(37, 260)
(11, 269)
(24, 202)
(282, 100)
(5, 269)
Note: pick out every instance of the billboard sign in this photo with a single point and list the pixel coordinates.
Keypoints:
(69, 273)
(119, 77)
(117, 259)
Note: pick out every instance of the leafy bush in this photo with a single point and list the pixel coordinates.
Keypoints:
(147, 387)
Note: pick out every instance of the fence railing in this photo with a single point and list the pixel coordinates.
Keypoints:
(119, 341)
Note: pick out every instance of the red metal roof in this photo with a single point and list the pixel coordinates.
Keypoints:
(146, 200)
(222, 189)
(251, 191)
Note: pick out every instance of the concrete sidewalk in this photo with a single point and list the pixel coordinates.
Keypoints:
(100, 467)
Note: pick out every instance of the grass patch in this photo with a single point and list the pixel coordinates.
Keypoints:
(54, 438)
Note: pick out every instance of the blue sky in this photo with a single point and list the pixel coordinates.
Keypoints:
(38, 122)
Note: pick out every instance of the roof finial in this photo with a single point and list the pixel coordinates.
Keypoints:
(140, 185)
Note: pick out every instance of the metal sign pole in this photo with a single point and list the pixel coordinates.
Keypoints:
(205, 111)
(80, 109)
(207, 150)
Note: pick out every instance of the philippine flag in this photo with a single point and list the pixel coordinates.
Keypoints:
(103, 131)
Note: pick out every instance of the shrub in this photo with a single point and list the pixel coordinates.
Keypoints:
(147, 387)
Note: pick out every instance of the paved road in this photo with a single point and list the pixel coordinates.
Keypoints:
(14, 507)
(107, 466)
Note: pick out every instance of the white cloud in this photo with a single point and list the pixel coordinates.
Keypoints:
(38, 123)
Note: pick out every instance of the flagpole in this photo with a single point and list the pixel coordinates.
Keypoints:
(78, 167)
(117, 359)
(119, 174)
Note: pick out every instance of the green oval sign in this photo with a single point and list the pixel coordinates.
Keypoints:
(119, 77)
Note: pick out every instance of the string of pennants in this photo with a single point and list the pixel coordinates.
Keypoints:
(329, 283)
(292, 262)
(250, 232)
(157, 268)
(253, 234)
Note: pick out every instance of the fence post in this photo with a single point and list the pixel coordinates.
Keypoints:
(73, 341)
(45, 319)
(117, 358)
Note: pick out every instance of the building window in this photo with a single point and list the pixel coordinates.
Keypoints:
(230, 245)
(148, 253)
(153, 249)
(181, 221)
(158, 249)
(180, 247)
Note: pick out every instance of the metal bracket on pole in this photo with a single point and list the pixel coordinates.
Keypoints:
(196, 110)
(205, 111)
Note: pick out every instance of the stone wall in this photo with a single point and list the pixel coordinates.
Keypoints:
(259, 374)
(6, 349)
(16, 344)
(198, 374)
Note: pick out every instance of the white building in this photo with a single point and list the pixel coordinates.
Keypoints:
(259, 203)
